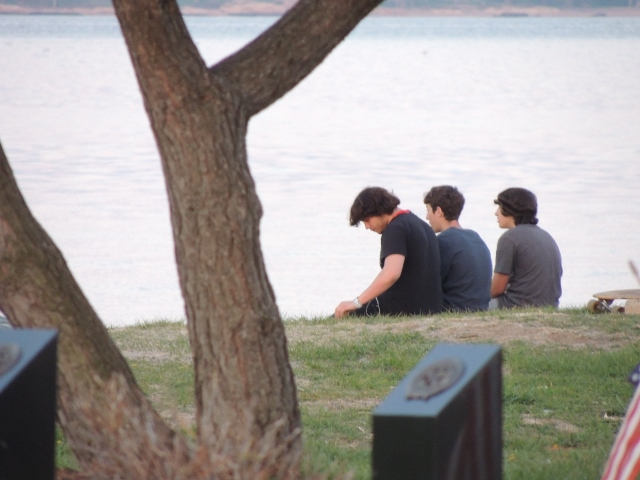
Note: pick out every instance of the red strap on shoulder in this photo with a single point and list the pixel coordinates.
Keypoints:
(400, 212)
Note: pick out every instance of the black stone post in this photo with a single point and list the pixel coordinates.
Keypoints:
(444, 419)
(27, 404)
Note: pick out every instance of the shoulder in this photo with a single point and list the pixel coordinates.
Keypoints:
(415, 229)
(509, 239)
(460, 235)
(450, 232)
(400, 227)
(545, 238)
(529, 232)
(542, 231)
(518, 232)
(475, 239)
(469, 234)
(462, 239)
(447, 239)
(408, 220)
(451, 235)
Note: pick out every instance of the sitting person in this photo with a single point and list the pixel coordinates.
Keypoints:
(409, 282)
(528, 263)
(465, 260)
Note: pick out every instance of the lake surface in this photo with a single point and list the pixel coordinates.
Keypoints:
(550, 104)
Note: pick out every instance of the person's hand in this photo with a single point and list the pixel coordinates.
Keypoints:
(344, 308)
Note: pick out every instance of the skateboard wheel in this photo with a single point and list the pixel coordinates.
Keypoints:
(617, 309)
(594, 306)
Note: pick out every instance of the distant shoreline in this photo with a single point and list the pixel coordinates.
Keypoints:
(272, 9)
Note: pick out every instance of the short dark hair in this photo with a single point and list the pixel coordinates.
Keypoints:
(519, 203)
(372, 202)
(448, 198)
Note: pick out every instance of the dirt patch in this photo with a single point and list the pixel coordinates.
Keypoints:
(338, 404)
(560, 425)
(534, 333)
(152, 356)
(532, 328)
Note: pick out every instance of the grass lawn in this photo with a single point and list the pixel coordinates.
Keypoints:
(565, 386)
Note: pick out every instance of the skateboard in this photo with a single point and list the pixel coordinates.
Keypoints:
(602, 303)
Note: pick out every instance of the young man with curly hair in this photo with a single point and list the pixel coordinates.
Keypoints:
(409, 282)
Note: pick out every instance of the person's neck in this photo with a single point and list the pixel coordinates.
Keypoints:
(450, 224)
(398, 211)
(394, 214)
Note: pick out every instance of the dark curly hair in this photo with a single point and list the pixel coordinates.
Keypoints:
(519, 203)
(448, 198)
(372, 202)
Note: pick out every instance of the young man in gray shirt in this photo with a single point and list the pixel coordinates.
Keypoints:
(528, 262)
(465, 260)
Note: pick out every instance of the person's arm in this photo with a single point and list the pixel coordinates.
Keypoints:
(499, 284)
(505, 255)
(388, 276)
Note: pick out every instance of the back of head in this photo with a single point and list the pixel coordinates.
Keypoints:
(448, 198)
(519, 203)
(372, 202)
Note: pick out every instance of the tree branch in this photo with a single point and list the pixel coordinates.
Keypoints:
(170, 71)
(276, 61)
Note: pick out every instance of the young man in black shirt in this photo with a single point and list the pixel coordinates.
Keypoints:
(409, 282)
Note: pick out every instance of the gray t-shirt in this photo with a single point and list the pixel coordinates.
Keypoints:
(531, 257)
(465, 267)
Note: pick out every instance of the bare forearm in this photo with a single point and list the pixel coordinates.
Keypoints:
(388, 276)
(499, 284)
(380, 284)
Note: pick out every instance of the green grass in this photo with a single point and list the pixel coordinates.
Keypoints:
(567, 394)
(564, 381)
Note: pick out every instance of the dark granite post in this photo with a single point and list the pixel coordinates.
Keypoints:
(453, 434)
(27, 404)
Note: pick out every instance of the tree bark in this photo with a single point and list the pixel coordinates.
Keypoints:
(199, 117)
(37, 290)
(245, 389)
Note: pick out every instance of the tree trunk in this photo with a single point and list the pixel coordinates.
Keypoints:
(38, 291)
(199, 117)
(245, 390)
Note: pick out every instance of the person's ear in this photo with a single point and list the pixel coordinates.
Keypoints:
(438, 212)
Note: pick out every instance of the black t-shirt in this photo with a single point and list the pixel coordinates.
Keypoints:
(419, 288)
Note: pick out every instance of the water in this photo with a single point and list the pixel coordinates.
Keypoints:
(552, 105)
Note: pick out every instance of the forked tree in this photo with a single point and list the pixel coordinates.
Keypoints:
(247, 413)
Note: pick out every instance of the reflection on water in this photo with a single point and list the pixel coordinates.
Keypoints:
(406, 103)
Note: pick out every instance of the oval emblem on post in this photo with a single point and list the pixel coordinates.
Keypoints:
(435, 378)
